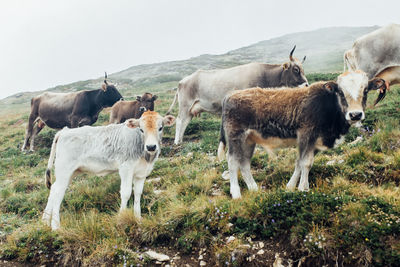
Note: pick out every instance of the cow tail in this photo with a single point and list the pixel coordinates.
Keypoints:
(222, 144)
(51, 161)
(173, 103)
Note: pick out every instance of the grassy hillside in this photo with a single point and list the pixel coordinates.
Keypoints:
(324, 49)
(351, 216)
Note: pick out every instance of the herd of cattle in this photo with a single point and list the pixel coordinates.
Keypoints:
(271, 105)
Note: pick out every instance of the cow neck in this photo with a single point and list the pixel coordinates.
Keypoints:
(272, 76)
(100, 99)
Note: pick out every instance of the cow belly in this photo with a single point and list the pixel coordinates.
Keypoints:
(57, 124)
(269, 143)
(98, 167)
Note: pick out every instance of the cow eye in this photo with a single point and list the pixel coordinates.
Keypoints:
(296, 70)
(160, 129)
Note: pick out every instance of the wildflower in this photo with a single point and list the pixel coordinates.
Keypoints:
(115, 246)
(273, 221)
(366, 239)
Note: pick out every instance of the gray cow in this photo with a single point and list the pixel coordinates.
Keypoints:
(204, 89)
(377, 54)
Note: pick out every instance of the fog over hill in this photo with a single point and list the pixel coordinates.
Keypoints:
(323, 47)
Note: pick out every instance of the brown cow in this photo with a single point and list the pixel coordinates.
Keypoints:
(123, 110)
(314, 117)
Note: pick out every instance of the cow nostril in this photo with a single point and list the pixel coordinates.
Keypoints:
(151, 147)
(355, 116)
(306, 84)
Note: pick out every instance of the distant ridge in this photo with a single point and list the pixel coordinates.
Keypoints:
(323, 47)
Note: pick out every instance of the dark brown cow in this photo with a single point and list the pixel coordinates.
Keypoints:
(59, 110)
(123, 110)
(315, 117)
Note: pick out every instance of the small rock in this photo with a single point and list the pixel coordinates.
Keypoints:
(230, 225)
(158, 262)
(189, 155)
(157, 192)
(246, 246)
(358, 139)
(154, 180)
(261, 244)
(203, 263)
(230, 239)
(176, 258)
(216, 192)
(341, 161)
(200, 257)
(167, 265)
(260, 252)
(278, 261)
(331, 162)
(157, 256)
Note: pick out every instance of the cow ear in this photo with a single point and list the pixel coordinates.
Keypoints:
(169, 120)
(104, 87)
(331, 86)
(154, 97)
(132, 123)
(138, 98)
(286, 65)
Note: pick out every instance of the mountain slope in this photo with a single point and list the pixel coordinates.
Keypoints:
(323, 47)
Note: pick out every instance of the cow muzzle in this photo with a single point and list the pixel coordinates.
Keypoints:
(151, 148)
(150, 152)
(304, 84)
(355, 116)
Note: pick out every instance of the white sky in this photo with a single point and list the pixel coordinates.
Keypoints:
(44, 43)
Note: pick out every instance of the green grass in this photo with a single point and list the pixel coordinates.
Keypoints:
(351, 215)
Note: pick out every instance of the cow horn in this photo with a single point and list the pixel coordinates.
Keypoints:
(304, 59)
(105, 78)
(291, 53)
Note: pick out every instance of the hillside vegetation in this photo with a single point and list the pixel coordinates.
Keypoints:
(351, 216)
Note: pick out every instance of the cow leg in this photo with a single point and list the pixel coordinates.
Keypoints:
(126, 174)
(138, 190)
(51, 215)
(29, 128)
(306, 161)
(291, 185)
(36, 130)
(233, 167)
(245, 167)
(182, 121)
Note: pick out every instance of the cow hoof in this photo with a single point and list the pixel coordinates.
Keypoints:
(236, 194)
(290, 187)
(225, 175)
(253, 188)
(304, 188)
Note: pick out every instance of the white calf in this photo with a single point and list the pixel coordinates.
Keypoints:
(130, 148)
